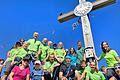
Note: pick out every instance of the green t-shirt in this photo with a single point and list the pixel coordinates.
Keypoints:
(51, 51)
(48, 65)
(80, 55)
(110, 58)
(60, 54)
(20, 52)
(33, 46)
(12, 53)
(95, 76)
(81, 71)
(87, 69)
(43, 54)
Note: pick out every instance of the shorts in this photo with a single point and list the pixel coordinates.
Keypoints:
(111, 72)
(8, 67)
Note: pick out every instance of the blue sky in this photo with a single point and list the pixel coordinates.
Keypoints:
(20, 18)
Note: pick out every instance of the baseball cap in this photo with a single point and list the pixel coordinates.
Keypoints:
(37, 62)
(68, 57)
(54, 44)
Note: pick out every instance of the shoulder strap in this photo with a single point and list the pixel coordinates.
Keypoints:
(68, 70)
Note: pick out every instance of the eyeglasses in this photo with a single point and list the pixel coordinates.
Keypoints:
(117, 67)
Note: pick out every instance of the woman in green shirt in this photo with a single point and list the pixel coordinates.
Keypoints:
(109, 55)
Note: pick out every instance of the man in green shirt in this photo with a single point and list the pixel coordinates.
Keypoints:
(94, 74)
(49, 67)
(80, 52)
(33, 46)
(82, 69)
(43, 50)
(50, 49)
(60, 53)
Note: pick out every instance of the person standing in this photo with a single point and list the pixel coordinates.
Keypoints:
(43, 50)
(80, 52)
(60, 53)
(33, 46)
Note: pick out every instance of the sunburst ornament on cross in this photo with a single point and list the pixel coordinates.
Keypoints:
(83, 8)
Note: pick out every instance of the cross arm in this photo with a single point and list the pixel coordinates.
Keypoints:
(96, 5)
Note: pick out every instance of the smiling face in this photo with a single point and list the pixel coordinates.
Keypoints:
(79, 44)
(60, 45)
(92, 65)
(68, 61)
(25, 45)
(83, 64)
(35, 35)
(117, 69)
(105, 46)
(44, 41)
(37, 64)
(52, 58)
(104, 69)
(71, 50)
(25, 62)
(118, 72)
(49, 43)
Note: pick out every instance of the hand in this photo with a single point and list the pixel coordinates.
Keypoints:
(12, 62)
(14, 56)
(44, 61)
(8, 54)
(37, 56)
(51, 70)
(64, 78)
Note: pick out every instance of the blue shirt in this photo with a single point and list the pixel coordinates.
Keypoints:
(73, 60)
(36, 74)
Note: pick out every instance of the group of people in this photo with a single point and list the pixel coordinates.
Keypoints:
(54, 62)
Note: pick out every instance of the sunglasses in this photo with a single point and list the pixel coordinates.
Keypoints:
(37, 64)
(117, 67)
(25, 60)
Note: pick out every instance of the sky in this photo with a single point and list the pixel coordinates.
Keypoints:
(21, 18)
